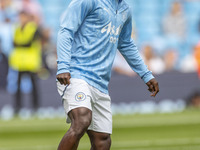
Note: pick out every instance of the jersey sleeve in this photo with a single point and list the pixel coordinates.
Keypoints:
(70, 22)
(130, 52)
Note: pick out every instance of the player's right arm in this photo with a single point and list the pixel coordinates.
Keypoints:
(70, 22)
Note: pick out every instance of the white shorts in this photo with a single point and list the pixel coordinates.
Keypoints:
(80, 94)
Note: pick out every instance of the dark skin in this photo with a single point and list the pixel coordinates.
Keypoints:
(153, 87)
(64, 78)
(81, 119)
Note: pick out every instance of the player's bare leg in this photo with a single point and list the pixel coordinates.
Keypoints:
(99, 141)
(80, 121)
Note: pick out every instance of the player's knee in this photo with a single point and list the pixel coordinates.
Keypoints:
(80, 128)
(84, 120)
(84, 123)
(102, 142)
(81, 124)
(106, 139)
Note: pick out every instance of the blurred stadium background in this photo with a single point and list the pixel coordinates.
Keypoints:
(167, 33)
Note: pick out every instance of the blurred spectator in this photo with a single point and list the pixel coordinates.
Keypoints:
(154, 62)
(120, 66)
(170, 59)
(48, 54)
(6, 36)
(194, 100)
(26, 56)
(174, 29)
(174, 23)
(7, 10)
(189, 63)
(3, 68)
(49, 50)
(33, 7)
(197, 57)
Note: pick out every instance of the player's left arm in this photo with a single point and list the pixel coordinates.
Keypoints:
(130, 52)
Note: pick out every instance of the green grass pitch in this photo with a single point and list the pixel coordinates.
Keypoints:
(177, 131)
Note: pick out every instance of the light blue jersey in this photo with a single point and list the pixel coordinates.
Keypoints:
(90, 33)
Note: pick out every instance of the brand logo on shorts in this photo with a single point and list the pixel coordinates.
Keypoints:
(80, 96)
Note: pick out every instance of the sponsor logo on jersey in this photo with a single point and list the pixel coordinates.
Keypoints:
(80, 96)
(112, 31)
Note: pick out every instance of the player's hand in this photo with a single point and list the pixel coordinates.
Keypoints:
(153, 87)
(64, 78)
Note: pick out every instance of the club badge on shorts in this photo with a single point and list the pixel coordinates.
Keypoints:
(80, 97)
